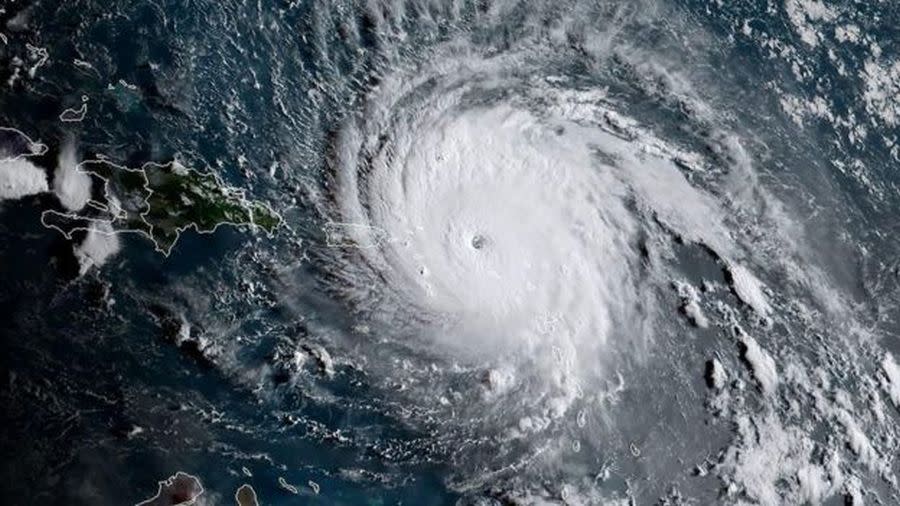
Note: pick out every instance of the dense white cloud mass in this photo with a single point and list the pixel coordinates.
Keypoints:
(71, 186)
(20, 178)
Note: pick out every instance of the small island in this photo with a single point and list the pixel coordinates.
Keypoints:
(246, 496)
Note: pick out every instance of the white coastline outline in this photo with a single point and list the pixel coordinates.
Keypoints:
(171, 481)
(38, 148)
(249, 487)
(73, 115)
(240, 193)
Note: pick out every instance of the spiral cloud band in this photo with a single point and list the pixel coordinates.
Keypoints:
(559, 250)
(502, 220)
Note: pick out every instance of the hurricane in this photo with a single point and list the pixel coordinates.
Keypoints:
(500, 252)
(511, 212)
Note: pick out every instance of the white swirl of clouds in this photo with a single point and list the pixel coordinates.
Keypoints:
(508, 217)
(498, 220)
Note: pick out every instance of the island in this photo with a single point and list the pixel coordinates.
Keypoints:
(246, 496)
(160, 201)
(179, 489)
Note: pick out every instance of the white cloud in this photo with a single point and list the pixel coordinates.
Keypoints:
(98, 247)
(761, 363)
(749, 289)
(20, 178)
(71, 186)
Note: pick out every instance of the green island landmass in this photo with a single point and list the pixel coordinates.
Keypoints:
(160, 201)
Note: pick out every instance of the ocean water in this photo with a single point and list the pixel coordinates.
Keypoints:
(532, 253)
